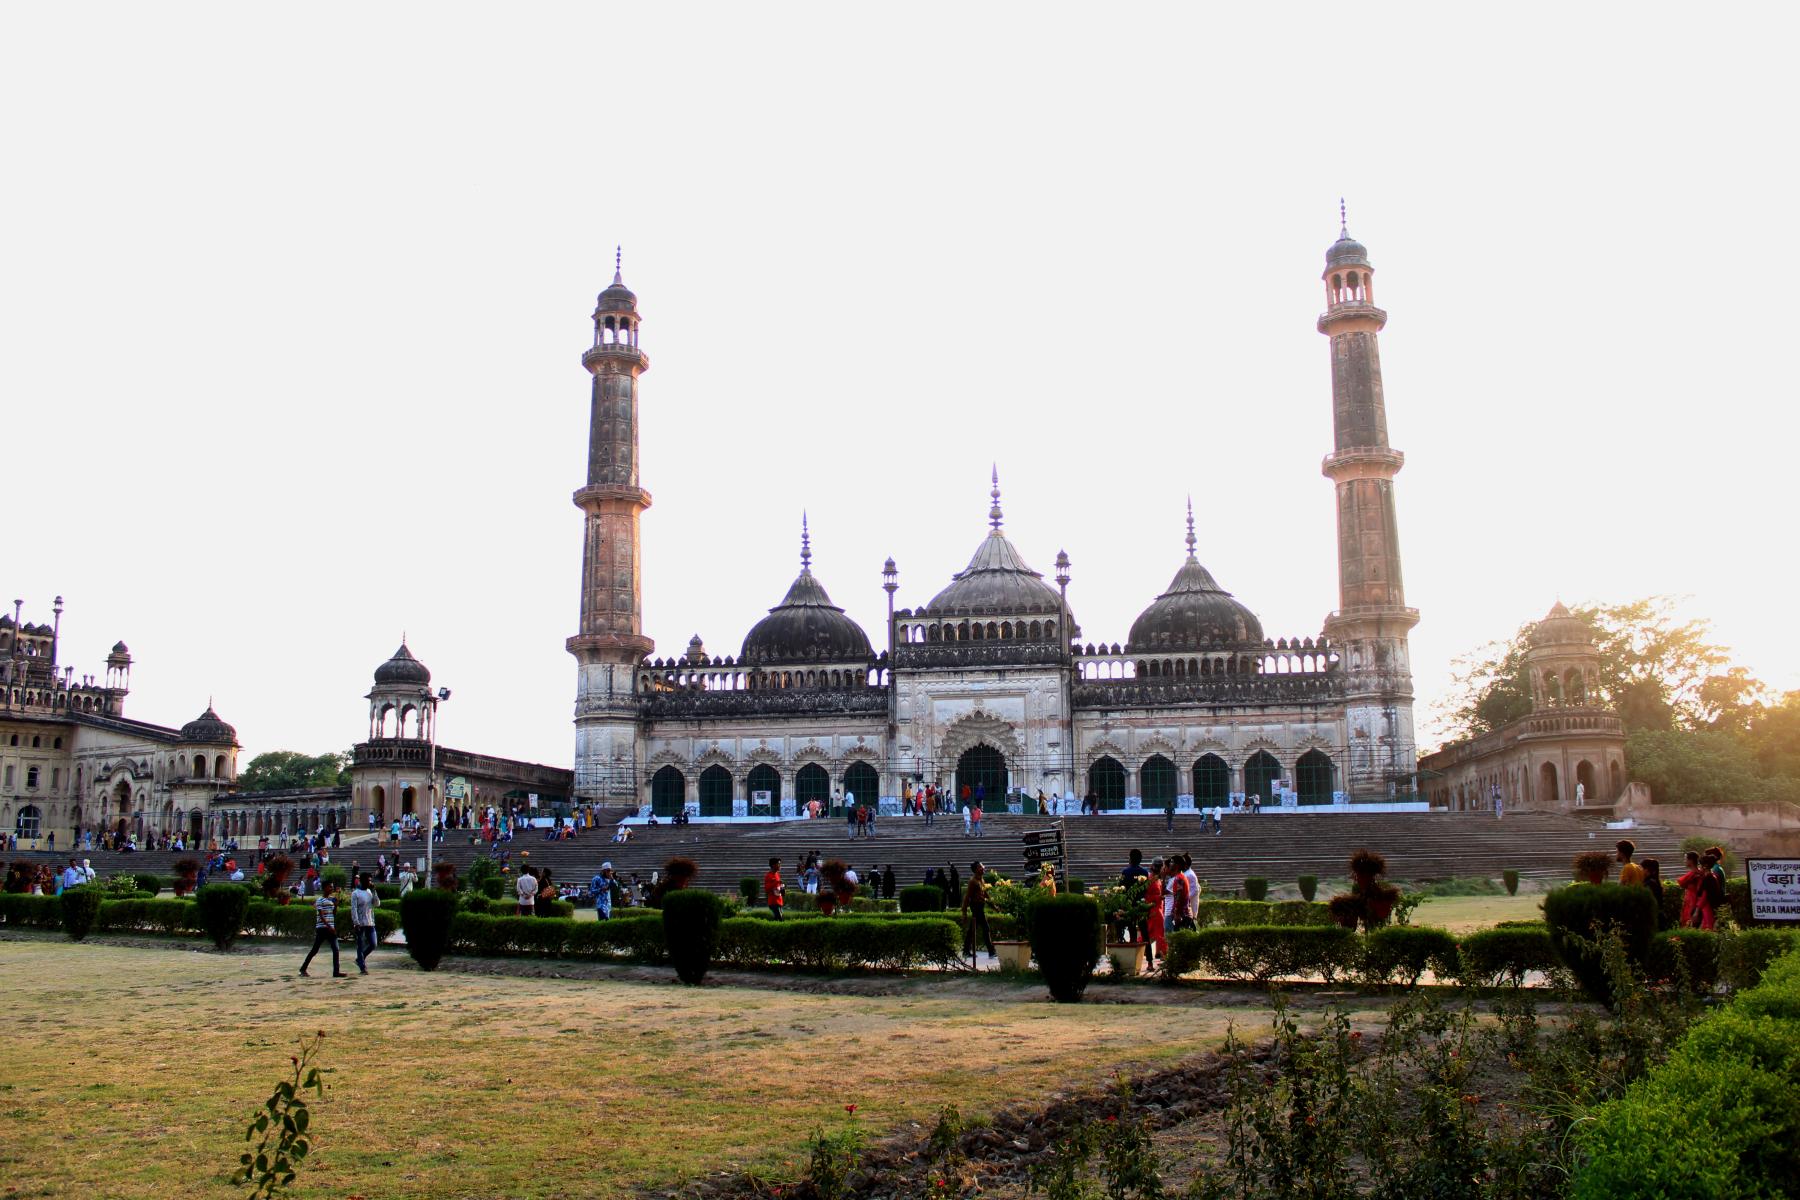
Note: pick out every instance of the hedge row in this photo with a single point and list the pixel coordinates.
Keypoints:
(182, 917)
(1401, 954)
(844, 942)
(1718, 1119)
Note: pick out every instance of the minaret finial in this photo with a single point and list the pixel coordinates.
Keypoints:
(619, 265)
(805, 543)
(1343, 219)
(1191, 540)
(994, 512)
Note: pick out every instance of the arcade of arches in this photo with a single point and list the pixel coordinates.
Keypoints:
(1209, 778)
(715, 791)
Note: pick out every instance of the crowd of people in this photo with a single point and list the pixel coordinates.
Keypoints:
(1702, 884)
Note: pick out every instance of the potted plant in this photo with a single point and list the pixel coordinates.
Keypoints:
(1126, 912)
(1592, 867)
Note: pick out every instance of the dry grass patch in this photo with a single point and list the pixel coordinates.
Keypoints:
(130, 1070)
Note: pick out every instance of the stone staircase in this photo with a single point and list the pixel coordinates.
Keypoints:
(1277, 846)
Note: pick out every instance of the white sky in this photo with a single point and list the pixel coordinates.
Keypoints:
(293, 305)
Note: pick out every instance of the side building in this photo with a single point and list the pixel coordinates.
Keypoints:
(71, 761)
(1567, 753)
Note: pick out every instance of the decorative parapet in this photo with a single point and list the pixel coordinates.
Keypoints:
(1550, 723)
(797, 701)
(914, 656)
(1227, 691)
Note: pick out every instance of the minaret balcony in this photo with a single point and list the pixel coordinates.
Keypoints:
(614, 352)
(1360, 462)
(1343, 314)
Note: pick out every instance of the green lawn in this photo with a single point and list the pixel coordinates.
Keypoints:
(1460, 914)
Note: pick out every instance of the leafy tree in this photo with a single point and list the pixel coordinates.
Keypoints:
(291, 769)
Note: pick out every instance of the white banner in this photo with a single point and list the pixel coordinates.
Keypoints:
(1774, 888)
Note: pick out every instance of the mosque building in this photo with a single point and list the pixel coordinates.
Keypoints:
(991, 682)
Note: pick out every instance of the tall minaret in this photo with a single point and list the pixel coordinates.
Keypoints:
(1372, 620)
(611, 644)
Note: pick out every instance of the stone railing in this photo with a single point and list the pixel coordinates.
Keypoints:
(818, 701)
(1215, 690)
(999, 653)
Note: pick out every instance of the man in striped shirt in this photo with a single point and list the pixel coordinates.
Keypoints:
(325, 929)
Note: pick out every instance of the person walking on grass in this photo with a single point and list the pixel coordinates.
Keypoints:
(325, 930)
(362, 917)
(974, 910)
(774, 891)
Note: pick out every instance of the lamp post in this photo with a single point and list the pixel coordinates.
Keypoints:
(1068, 697)
(431, 787)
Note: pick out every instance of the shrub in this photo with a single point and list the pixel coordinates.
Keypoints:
(38, 912)
(1370, 901)
(691, 921)
(1309, 887)
(149, 883)
(1745, 955)
(1403, 953)
(1689, 953)
(1701, 844)
(443, 876)
(1064, 932)
(750, 888)
(80, 905)
(275, 877)
(222, 907)
(1256, 888)
(1737, 900)
(920, 898)
(152, 916)
(425, 915)
(1575, 915)
(1261, 912)
(1263, 952)
(1592, 866)
(493, 887)
(1506, 954)
(1510, 878)
(1718, 1118)
(335, 874)
(186, 871)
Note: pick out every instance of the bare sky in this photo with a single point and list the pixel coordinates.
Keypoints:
(293, 306)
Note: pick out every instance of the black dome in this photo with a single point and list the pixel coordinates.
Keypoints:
(617, 297)
(996, 581)
(1194, 614)
(1347, 251)
(806, 627)
(208, 728)
(403, 668)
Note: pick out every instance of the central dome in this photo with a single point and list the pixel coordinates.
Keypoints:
(996, 580)
(1194, 614)
(806, 627)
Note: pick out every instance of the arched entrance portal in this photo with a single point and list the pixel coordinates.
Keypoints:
(715, 792)
(1549, 794)
(1312, 777)
(1156, 783)
(1587, 781)
(982, 769)
(122, 803)
(1212, 781)
(1260, 774)
(862, 782)
(668, 792)
(1106, 780)
(811, 782)
(764, 778)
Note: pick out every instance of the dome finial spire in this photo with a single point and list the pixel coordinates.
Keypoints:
(1191, 540)
(619, 265)
(994, 512)
(805, 543)
(1343, 219)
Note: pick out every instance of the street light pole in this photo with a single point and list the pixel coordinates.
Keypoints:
(431, 787)
(1068, 688)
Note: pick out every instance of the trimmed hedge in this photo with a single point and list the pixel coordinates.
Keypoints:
(1576, 914)
(1065, 941)
(691, 920)
(1259, 953)
(1261, 912)
(222, 907)
(80, 906)
(425, 915)
(921, 897)
(36, 912)
(1718, 1119)
(1506, 954)
(150, 883)
(1402, 953)
(1309, 887)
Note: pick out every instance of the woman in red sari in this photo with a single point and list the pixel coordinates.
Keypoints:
(1690, 891)
(1154, 934)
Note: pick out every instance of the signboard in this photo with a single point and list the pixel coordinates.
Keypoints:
(1774, 888)
(1042, 846)
(762, 799)
(531, 798)
(456, 788)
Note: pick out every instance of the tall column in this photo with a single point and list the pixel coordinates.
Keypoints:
(1372, 620)
(611, 643)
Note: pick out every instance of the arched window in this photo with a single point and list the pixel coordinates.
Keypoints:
(408, 797)
(764, 778)
(1260, 774)
(28, 822)
(1156, 780)
(1106, 780)
(861, 781)
(1616, 775)
(1584, 775)
(1212, 781)
(668, 792)
(199, 766)
(219, 767)
(812, 782)
(1548, 792)
(715, 792)
(1313, 777)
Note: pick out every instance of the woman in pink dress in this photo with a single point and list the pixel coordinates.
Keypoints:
(1153, 924)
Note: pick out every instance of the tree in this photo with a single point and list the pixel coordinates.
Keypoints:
(277, 769)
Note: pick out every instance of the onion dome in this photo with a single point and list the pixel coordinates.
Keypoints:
(1560, 627)
(617, 297)
(996, 580)
(207, 728)
(121, 648)
(1194, 614)
(806, 627)
(403, 668)
(1346, 251)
